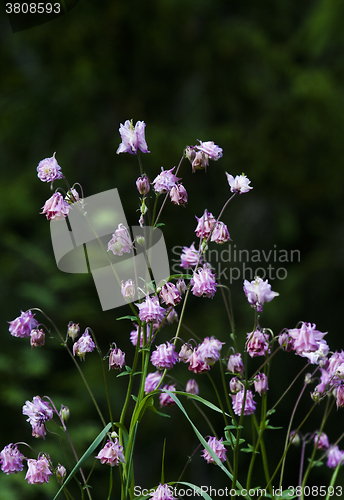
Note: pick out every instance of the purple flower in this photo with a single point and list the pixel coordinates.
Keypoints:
(61, 473)
(152, 381)
(37, 338)
(83, 345)
(171, 316)
(334, 457)
(164, 356)
(220, 233)
(197, 365)
(217, 447)
(235, 385)
(209, 350)
(38, 471)
(306, 339)
(192, 387)
(128, 290)
(238, 403)
(11, 459)
(261, 383)
(163, 492)
(151, 311)
(38, 412)
(112, 453)
(235, 364)
(179, 195)
(133, 138)
(258, 292)
(56, 208)
(49, 170)
(164, 398)
(203, 282)
(134, 334)
(190, 257)
(321, 441)
(142, 185)
(165, 181)
(22, 326)
(257, 343)
(170, 294)
(185, 352)
(210, 149)
(239, 184)
(120, 242)
(205, 225)
(340, 396)
(116, 359)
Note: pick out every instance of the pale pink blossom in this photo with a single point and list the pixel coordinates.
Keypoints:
(164, 398)
(112, 453)
(335, 457)
(83, 345)
(142, 185)
(235, 364)
(217, 447)
(163, 492)
(239, 184)
(205, 225)
(220, 233)
(203, 282)
(209, 350)
(164, 357)
(56, 208)
(258, 292)
(116, 359)
(185, 352)
(235, 385)
(134, 335)
(196, 363)
(38, 471)
(210, 149)
(133, 138)
(238, 403)
(128, 289)
(321, 441)
(179, 195)
(49, 170)
(120, 242)
(22, 326)
(261, 383)
(190, 257)
(39, 412)
(192, 387)
(164, 182)
(198, 159)
(257, 343)
(37, 337)
(11, 459)
(306, 339)
(152, 381)
(150, 310)
(170, 294)
(73, 330)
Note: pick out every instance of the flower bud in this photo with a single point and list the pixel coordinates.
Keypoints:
(60, 473)
(73, 330)
(192, 387)
(308, 378)
(116, 359)
(295, 438)
(140, 240)
(235, 385)
(64, 413)
(128, 290)
(37, 338)
(142, 185)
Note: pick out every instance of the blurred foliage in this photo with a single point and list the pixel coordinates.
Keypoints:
(264, 80)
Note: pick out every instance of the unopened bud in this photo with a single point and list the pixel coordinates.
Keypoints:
(73, 330)
(60, 473)
(64, 413)
(140, 240)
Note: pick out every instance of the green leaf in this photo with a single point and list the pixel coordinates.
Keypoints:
(249, 449)
(132, 318)
(85, 456)
(201, 400)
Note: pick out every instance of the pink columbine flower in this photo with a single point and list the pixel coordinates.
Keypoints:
(152, 381)
(335, 457)
(38, 471)
(217, 447)
(116, 359)
(163, 492)
(120, 242)
(164, 182)
(196, 363)
(49, 170)
(73, 330)
(164, 357)
(209, 350)
(72, 196)
(133, 138)
(56, 208)
(257, 343)
(220, 233)
(235, 364)
(203, 282)
(235, 385)
(38, 412)
(181, 286)
(171, 316)
(192, 387)
(11, 459)
(170, 294)
(128, 290)
(37, 337)
(239, 184)
(340, 396)
(134, 335)
(198, 159)
(190, 257)
(164, 398)
(112, 453)
(210, 149)
(205, 225)
(179, 195)
(306, 339)
(238, 400)
(261, 383)
(258, 292)
(61, 473)
(142, 185)
(321, 441)
(22, 326)
(150, 310)
(185, 352)
(83, 345)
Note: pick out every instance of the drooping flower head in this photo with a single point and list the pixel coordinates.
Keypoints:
(39, 412)
(150, 310)
(217, 447)
(220, 233)
(164, 182)
(258, 292)
(210, 149)
(164, 398)
(334, 457)
(239, 184)
(179, 195)
(49, 170)
(165, 356)
(203, 282)
(142, 185)
(261, 383)
(196, 363)
(56, 208)
(112, 453)
(83, 345)
(128, 290)
(116, 359)
(205, 225)
(198, 159)
(135, 333)
(209, 350)
(163, 492)
(235, 364)
(38, 471)
(133, 138)
(306, 339)
(37, 337)
(321, 441)
(238, 403)
(22, 326)
(120, 242)
(257, 343)
(152, 381)
(192, 387)
(170, 294)
(73, 330)
(190, 257)
(11, 459)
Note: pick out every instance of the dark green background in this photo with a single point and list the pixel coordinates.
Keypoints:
(265, 81)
